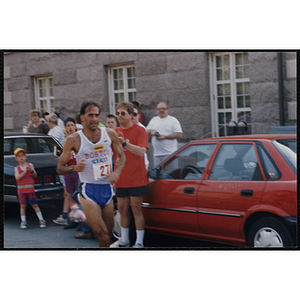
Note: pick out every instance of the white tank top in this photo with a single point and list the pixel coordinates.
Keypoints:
(98, 158)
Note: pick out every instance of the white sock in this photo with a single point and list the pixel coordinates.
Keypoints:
(23, 218)
(40, 216)
(124, 235)
(140, 237)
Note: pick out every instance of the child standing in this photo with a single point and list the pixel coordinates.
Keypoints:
(24, 174)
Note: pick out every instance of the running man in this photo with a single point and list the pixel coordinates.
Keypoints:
(93, 148)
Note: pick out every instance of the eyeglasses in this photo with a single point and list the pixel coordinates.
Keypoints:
(162, 108)
(123, 113)
(135, 114)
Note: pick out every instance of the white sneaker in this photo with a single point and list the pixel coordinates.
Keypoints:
(60, 221)
(118, 244)
(137, 245)
(42, 224)
(23, 225)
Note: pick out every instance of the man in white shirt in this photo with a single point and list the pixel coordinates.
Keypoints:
(164, 130)
(55, 130)
(60, 122)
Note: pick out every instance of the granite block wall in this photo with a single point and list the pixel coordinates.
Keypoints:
(180, 78)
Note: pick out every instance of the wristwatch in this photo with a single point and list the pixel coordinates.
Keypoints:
(71, 168)
(124, 144)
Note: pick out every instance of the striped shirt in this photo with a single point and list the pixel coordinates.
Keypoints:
(26, 184)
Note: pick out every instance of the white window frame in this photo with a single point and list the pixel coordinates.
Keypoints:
(214, 95)
(126, 90)
(46, 98)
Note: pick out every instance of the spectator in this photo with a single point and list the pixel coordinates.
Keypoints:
(24, 174)
(111, 121)
(58, 134)
(142, 116)
(133, 182)
(55, 131)
(164, 130)
(60, 122)
(135, 119)
(35, 125)
(78, 122)
(43, 119)
(70, 180)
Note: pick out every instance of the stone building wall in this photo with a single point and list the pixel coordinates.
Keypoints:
(264, 89)
(179, 78)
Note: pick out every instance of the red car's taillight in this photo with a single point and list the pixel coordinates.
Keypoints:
(48, 179)
(38, 180)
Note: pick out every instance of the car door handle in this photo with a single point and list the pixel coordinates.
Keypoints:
(189, 190)
(247, 193)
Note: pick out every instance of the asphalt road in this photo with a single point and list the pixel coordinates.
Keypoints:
(56, 237)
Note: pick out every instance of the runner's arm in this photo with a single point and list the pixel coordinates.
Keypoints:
(70, 144)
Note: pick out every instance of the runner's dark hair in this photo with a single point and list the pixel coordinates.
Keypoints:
(84, 105)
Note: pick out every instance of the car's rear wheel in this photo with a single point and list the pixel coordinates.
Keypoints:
(269, 232)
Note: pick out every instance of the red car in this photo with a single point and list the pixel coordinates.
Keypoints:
(239, 190)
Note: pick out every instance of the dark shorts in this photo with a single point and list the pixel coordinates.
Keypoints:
(25, 198)
(134, 191)
(71, 182)
(102, 194)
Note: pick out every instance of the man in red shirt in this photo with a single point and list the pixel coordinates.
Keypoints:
(133, 182)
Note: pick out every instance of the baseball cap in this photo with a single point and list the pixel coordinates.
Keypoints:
(19, 150)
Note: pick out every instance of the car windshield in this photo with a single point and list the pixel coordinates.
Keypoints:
(32, 145)
(288, 149)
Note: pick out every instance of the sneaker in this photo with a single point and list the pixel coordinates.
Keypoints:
(60, 221)
(118, 244)
(138, 246)
(72, 224)
(42, 224)
(23, 225)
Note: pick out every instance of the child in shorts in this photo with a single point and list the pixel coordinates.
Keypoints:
(24, 174)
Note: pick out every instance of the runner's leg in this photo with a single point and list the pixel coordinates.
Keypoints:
(108, 217)
(93, 214)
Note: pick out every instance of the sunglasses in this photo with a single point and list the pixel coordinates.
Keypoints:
(123, 113)
(135, 114)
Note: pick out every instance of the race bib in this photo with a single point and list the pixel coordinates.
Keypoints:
(102, 170)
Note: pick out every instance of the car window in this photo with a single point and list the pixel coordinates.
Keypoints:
(30, 145)
(7, 147)
(42, 145)
(270, 168)
(20, 143)
(236, 162)
(288, 153)
(290, 143)
(188, 164)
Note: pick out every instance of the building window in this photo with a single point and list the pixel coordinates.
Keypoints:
(121, 85)
(230, 90)
(44, 94)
